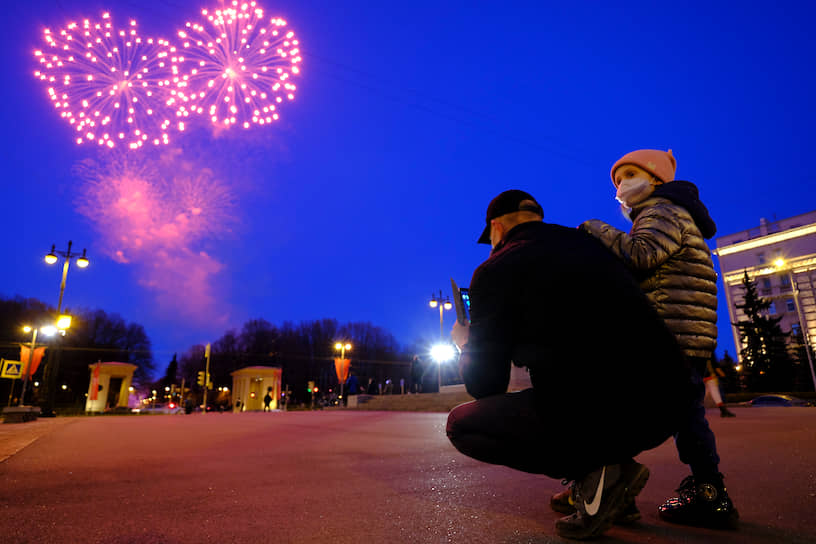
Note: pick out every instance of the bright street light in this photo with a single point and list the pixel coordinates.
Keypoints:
(63, 322)
(342, 347)
(52, 361)
(443, 305)
(442, 353)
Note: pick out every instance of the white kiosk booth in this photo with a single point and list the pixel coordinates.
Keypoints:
(249, 387)
(112, 383)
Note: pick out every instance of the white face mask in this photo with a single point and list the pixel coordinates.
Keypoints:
(632, 191)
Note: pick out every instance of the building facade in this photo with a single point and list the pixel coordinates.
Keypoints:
(780, 256)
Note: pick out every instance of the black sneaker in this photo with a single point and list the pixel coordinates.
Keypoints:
(701, 504)
(599, 499)
(563, 504)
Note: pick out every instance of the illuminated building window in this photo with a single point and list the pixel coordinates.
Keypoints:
(790, 305)
(772, 308)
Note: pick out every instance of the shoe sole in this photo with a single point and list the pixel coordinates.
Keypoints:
(636, 485)
(731, 523)
(622, 519)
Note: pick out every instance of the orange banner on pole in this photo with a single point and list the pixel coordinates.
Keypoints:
(35, 360)
(342, 368)
(95, 383)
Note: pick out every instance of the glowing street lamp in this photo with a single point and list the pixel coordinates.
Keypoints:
(52, 361)
(63, 322)
(81, 261)
(342, 347)
(780, 264)
(441, 353)
(443, 305)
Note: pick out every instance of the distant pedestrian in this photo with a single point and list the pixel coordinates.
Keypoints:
(352, 387)
(268, 400)
(416, 375)
(714, 390)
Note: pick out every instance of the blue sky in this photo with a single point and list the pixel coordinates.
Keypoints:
(370, 192)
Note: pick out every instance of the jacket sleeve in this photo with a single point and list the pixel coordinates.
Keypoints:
(656, 235)
(486, 356)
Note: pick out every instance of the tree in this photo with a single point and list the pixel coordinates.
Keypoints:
(767, 364)
(171, 374)
(304, 351)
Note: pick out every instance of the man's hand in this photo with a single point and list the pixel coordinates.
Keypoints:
(460, 334)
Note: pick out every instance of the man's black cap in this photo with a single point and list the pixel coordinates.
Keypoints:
(508, 202)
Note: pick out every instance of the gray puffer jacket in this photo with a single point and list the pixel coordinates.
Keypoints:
(666, 251)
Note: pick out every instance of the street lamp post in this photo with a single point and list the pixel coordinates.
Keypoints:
(52, 361)
(30, 359)
(780, 265)
(446, 305)
(63, 322)
(342, 347)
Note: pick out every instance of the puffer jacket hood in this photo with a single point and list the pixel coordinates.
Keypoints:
(685, 193)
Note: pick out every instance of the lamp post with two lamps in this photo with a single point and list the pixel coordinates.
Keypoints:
(52, 361)
(342, 347)
(781, 264)
(63, 323)
(442, 352)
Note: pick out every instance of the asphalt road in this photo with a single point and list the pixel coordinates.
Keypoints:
(354, 477)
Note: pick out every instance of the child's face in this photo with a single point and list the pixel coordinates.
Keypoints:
(628, 171)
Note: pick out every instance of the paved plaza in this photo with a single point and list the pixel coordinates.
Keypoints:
(354, 477)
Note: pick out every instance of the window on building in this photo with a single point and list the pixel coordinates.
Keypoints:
(761, 257)
(772, 308)
(790, 305)
(796, 330)
(785, 281)
(766, 283)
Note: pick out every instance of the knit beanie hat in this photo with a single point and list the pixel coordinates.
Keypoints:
(660, 163)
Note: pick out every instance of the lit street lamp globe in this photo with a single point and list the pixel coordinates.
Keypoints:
(442, 353)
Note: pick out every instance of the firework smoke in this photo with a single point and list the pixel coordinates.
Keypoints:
(153, 214)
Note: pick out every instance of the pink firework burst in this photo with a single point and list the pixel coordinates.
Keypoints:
(112, 86)
(238, 66)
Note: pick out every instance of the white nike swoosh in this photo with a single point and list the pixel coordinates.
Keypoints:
(592, 507)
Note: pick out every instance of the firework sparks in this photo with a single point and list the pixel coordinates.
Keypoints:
(112, 86)
(238, 66)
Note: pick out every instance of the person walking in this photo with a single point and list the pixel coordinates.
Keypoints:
(268, 400)
(714, 389)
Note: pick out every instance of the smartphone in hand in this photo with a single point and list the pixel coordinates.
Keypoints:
(461, 301)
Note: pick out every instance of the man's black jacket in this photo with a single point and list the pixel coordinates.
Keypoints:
(605, 369)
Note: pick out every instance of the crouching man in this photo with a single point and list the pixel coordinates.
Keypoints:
(608, 378)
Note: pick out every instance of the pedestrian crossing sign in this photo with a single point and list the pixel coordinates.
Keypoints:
(11, 369)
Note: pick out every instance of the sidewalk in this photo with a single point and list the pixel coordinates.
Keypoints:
(16, 436)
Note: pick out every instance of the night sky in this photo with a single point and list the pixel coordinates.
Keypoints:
(370, 191)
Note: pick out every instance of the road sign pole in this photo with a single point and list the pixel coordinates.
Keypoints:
(206, 375)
